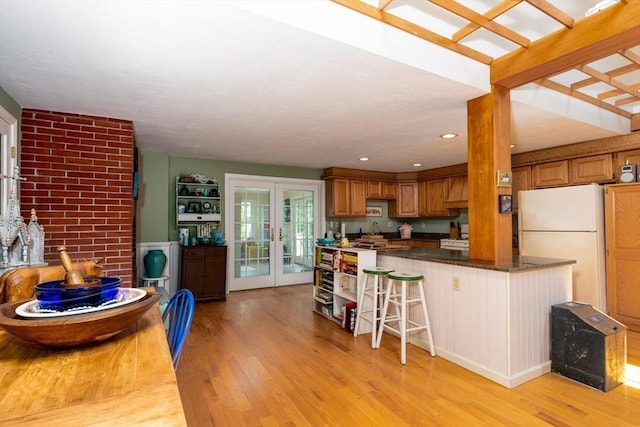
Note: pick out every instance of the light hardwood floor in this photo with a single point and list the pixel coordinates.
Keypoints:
(263, 358)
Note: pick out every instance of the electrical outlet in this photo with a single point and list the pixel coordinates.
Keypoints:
(456, 283)
(390, 224)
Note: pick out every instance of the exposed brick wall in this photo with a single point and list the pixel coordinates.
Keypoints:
(79, 173)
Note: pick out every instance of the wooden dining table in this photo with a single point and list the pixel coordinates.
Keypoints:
(126, 380)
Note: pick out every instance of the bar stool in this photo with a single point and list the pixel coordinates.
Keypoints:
(396, 295)
(373, 290)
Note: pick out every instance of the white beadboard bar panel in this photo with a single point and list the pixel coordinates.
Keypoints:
(531, 298)
(497, 324)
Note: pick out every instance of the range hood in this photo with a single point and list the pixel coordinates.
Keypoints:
(458, 192)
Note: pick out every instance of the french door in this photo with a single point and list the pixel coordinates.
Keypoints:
(271, 227)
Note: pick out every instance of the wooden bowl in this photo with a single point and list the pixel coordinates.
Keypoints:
(76, 330)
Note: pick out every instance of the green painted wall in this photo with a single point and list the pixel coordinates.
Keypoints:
(153, 198)
(158, 171)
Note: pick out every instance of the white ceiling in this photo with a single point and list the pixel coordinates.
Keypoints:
(306, 83)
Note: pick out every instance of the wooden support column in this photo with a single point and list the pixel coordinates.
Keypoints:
(489, 128)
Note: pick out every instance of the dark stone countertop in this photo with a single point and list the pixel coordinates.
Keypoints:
(461, 258)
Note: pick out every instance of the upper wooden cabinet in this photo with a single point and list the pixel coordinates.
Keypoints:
(458, 192)
(520, 181)
(586, 170)
(552, 174)
(382, 190)
(346, 197)
(582, 170)
(406, 202)
(433, 195)
(631, 157)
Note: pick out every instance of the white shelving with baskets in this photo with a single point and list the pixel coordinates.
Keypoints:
(337, 276)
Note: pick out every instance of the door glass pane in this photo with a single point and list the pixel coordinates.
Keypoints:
(251, 231)
(297, 231)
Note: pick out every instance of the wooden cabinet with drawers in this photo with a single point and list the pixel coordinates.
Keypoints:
(203, 270)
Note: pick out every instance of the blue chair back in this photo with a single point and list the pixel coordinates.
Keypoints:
(179, 313)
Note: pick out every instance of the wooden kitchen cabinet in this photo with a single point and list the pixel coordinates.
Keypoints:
(415, 243)
(406, 202)
(552, 174)
(381, 190)
(433, 195)
(458, 192)
(520, 181)
(425, 243)
(623, 253)
(346, 197)
(586, 170)
(631, 157)
(203, 270)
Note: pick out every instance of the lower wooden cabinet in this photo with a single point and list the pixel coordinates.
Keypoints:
(203, 270)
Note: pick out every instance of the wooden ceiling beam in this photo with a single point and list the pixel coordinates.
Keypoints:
(491, 14)
(616, 92)
(629, 68)
(552, 12)
(590, 39)
(625, 101)
(608, 80)
(478, 19)
(414, 29)
(382, 4)
(627, 53)
(550, 84)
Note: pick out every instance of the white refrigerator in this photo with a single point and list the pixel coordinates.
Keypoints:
(568, 223)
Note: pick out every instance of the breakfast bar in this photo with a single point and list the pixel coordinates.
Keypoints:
(126, 380)
(491, 319)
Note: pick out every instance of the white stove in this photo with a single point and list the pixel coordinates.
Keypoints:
(455, 244)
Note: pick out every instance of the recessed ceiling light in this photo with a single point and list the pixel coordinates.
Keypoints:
(449, 135)
(417, 164)
(512, 145)
(364, 159)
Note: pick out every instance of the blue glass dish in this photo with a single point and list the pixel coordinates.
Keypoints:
(52, 296)
(326, 241)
